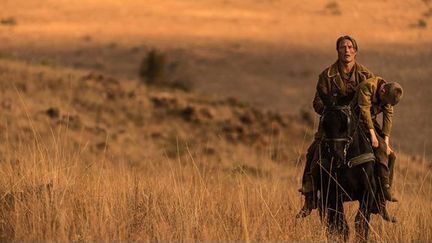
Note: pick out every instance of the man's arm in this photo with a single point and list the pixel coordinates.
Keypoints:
(364, 101)
(318, 104)
(387, 119)
(323, 91)
(387, 125)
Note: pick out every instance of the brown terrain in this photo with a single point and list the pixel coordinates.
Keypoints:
(90, 152)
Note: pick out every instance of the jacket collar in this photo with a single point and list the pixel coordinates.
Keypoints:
(334, 69)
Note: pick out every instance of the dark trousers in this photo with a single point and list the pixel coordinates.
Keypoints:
(308, 180)
(385, 163)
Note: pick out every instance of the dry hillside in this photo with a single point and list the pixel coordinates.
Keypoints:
(90, 157)
(267, 53)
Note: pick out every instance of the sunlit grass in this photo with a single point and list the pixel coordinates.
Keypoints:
(50, 193)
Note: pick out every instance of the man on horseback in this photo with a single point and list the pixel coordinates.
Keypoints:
(336, 86)
(375, 96)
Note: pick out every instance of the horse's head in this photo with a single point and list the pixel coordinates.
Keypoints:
(335, 123)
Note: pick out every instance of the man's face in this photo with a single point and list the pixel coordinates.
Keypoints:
(382, 95)
(346, 51)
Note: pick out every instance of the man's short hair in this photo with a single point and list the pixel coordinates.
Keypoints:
(393, 93)
(346, 37)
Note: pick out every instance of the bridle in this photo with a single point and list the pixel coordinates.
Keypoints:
(346, 110)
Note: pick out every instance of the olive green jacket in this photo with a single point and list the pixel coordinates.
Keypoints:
(370, 106)
(332, 90)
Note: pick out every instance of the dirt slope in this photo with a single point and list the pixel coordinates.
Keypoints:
(127, 120)
(265, 53)
(85, 156)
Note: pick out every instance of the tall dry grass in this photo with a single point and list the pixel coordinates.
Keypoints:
(50, 192)
(53, 188)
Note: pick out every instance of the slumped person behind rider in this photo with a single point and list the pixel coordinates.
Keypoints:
(374, 96)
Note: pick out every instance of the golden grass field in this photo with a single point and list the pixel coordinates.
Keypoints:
(170, 200)
(89, 152)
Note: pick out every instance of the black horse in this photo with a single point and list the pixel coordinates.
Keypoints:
(346, 173)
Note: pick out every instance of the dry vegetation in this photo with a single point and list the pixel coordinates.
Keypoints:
(268, 50)
(90, 152)
(46, 197)
(83, 179)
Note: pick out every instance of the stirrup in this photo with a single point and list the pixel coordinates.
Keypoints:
(390, 198)
(387, 217)
(388, 195)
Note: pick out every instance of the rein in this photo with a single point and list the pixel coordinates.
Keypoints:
(346, 110)
(348, 139)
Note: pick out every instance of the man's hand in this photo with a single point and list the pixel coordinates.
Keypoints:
(374, 138)
(389, 150)
(387, 141)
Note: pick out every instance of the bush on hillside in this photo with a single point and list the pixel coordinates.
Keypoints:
(155, 69)
(11, 21)
(152, 67)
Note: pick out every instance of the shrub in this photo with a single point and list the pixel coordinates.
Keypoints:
(428, 13)
(333, 8)
(152, 67)
(8, 21)
(422, 23)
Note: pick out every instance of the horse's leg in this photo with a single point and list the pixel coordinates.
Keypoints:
(362, 222)
(367, 204)
(343, 229)
(332, 215)
(369, 201)
(337, 224)
(329, 207)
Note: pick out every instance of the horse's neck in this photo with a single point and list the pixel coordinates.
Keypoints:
(360, 144)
